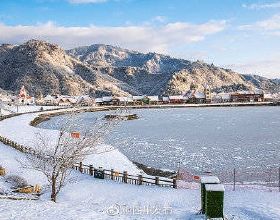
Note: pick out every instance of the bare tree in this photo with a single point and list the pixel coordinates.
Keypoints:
(55, 156)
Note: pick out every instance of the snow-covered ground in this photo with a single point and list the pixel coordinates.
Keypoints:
(87, 198)
(6, 110)
(19, 130)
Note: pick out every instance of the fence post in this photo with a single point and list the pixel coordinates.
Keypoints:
(157, 180)
(140, 179)
(174, 183)
(91, 170)
(81, 167)
(125, 176)
(112, 174)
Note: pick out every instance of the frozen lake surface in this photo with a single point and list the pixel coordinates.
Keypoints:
(201, 139)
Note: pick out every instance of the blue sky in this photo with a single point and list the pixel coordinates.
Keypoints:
(242, 35)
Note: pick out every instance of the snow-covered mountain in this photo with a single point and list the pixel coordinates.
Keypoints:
(102, 69)
(154, 73)
(46, 68)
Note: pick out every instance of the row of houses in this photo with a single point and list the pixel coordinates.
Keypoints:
(192, 96)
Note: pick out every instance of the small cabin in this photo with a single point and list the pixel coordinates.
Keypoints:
(153, 100)
(165, 99)
(98, 101)
(138, 100)
(246, 97)
(177, 99)
(107, 100)
(268, 97)
(221, 98)
(122, 100)
(66, 101)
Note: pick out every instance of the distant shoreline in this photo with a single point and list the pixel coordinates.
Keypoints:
(45, 117)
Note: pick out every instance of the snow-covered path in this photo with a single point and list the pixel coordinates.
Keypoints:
(19, 130)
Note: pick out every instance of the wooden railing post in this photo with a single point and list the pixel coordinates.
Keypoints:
(174, 183)
(91, 170)
(157, 180)
(112, 174)
(125, 176)
(81, 167)
(140, 179)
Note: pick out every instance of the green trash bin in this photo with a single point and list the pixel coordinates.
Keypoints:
(206, 180)
(99, 173)
(214, 200)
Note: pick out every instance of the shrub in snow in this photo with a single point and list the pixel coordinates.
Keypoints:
(16, 181)
(2, 192)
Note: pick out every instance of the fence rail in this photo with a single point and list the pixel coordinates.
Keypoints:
(124, 176)
(108, 174)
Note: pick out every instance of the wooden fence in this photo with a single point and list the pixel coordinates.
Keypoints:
(108, 174)
(16, 146)
(124, 176)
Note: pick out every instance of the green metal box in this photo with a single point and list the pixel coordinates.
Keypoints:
(214, 200)
(206, 180)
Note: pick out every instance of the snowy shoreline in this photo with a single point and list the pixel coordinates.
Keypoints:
(18, 129)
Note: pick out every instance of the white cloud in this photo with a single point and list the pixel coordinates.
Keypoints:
(258, 6)
(159, 18)
(143, 38)
(86, 1)
(271, 24)
(269, 68)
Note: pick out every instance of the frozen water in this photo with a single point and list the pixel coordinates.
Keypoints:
(200, 139)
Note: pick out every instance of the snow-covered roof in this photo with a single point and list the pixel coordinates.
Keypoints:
(98, 100)
(129, 99)
(49, 98)
(138, 97)
(215, 187)
(5, 99)
(224, 96)
(122, 99)
(71, 100)
(268, 96)
(258, 91)
(209, 179)
(153, 98)
(107, 98)
(165, 99)
(199, 95)
(176, 97)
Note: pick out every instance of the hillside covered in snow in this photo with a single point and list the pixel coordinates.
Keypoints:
(99, 70)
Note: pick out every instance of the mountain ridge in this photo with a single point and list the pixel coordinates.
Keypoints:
(101, 69)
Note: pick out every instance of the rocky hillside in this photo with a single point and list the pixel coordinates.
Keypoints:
(159, 74)
(102, 70)
(46, 68)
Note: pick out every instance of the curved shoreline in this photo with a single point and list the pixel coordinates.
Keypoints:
(45, 117)
(18, 130)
